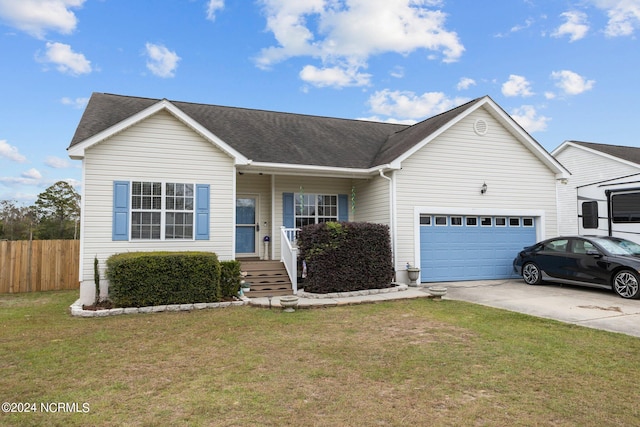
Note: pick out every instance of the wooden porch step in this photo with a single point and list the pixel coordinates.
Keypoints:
(266, 278)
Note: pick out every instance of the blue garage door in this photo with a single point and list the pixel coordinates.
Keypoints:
(472, 248)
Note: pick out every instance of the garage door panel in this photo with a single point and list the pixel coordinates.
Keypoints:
(472, 252)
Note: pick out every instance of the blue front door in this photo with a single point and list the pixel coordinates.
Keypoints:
(246, 225)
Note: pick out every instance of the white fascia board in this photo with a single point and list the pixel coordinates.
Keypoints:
(562, 147)
(310, 170)
(573, 144)
(303, 170)
(77, 151)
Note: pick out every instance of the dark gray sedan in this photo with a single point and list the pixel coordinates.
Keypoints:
(602, 262)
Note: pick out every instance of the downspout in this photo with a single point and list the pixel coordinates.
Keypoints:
(392, 219)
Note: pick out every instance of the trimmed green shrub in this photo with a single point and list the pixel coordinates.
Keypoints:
(139, 279)
(229, 278)
(346, 256)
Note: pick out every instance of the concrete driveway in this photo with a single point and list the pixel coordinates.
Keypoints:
(593, 308)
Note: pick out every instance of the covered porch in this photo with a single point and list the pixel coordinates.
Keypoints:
(270, 207)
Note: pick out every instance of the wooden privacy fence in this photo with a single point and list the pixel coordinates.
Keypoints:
(39, 265)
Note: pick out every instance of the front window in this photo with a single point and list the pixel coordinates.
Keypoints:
(315, 208)
(161, 211)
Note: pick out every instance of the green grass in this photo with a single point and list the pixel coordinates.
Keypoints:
(417, 362)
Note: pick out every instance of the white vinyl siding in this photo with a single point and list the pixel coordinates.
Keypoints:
(158, 149)
(449, 173)
(586, 167)
(372, 200)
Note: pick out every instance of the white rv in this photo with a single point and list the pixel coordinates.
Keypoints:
(610, 208)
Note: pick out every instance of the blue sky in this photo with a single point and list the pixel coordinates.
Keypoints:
(563, 69)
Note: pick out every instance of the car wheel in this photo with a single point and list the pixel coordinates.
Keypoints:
(531, 274)
(626, 284)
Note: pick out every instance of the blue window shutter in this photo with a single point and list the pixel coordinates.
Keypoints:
(288, 208)
(120, 227)
(202, 211)
(343, 207)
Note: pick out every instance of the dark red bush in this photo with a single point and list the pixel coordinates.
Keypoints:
(346, 256)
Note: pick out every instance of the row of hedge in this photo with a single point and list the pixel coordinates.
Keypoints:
(340, 257)
(140, 279)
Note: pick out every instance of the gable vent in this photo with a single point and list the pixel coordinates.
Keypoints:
(481, 127)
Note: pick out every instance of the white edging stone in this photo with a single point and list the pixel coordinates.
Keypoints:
(362, 293)
(76, 308)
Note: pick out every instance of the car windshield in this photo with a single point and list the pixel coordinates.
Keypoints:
(619, 246)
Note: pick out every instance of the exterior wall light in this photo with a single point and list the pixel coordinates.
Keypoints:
(484, 188)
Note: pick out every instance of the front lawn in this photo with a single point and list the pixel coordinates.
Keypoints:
(417, 362)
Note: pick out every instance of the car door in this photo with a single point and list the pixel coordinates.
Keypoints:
(552, 258)
(585, 263)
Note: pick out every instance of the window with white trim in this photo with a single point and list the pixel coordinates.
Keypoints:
(161, 211)
(315, 208)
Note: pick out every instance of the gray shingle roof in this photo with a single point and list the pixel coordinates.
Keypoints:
(274, 137)
(631, 154)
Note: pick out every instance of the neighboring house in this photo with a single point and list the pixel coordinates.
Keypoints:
(598, 172)
(462, 191)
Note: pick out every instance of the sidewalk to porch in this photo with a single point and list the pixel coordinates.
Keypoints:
(346, 298)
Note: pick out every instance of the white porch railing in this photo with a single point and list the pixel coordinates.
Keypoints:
(289, 254)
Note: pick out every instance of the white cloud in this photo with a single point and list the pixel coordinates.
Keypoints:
(10, 152)
(334, 76)
(624, 16)
(516, 28)
(576, 26)
(36, 17)
(162, 62)
(397, 72)
(549, 95)
(465, 83)
(214, 6)
(528, 118)
(388, 120)
(404, 105)
(516, 86)
(350, 31)
(32, 173)
(12, 181)
(572, 83)
(66, 60)
(75, 103)
(56, 162)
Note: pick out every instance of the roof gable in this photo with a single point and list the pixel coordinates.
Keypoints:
(405, 143)
(257, 135)
(285, 140)
(623, 154)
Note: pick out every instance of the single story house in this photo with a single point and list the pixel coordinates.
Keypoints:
(603, 192)
(461, 192)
